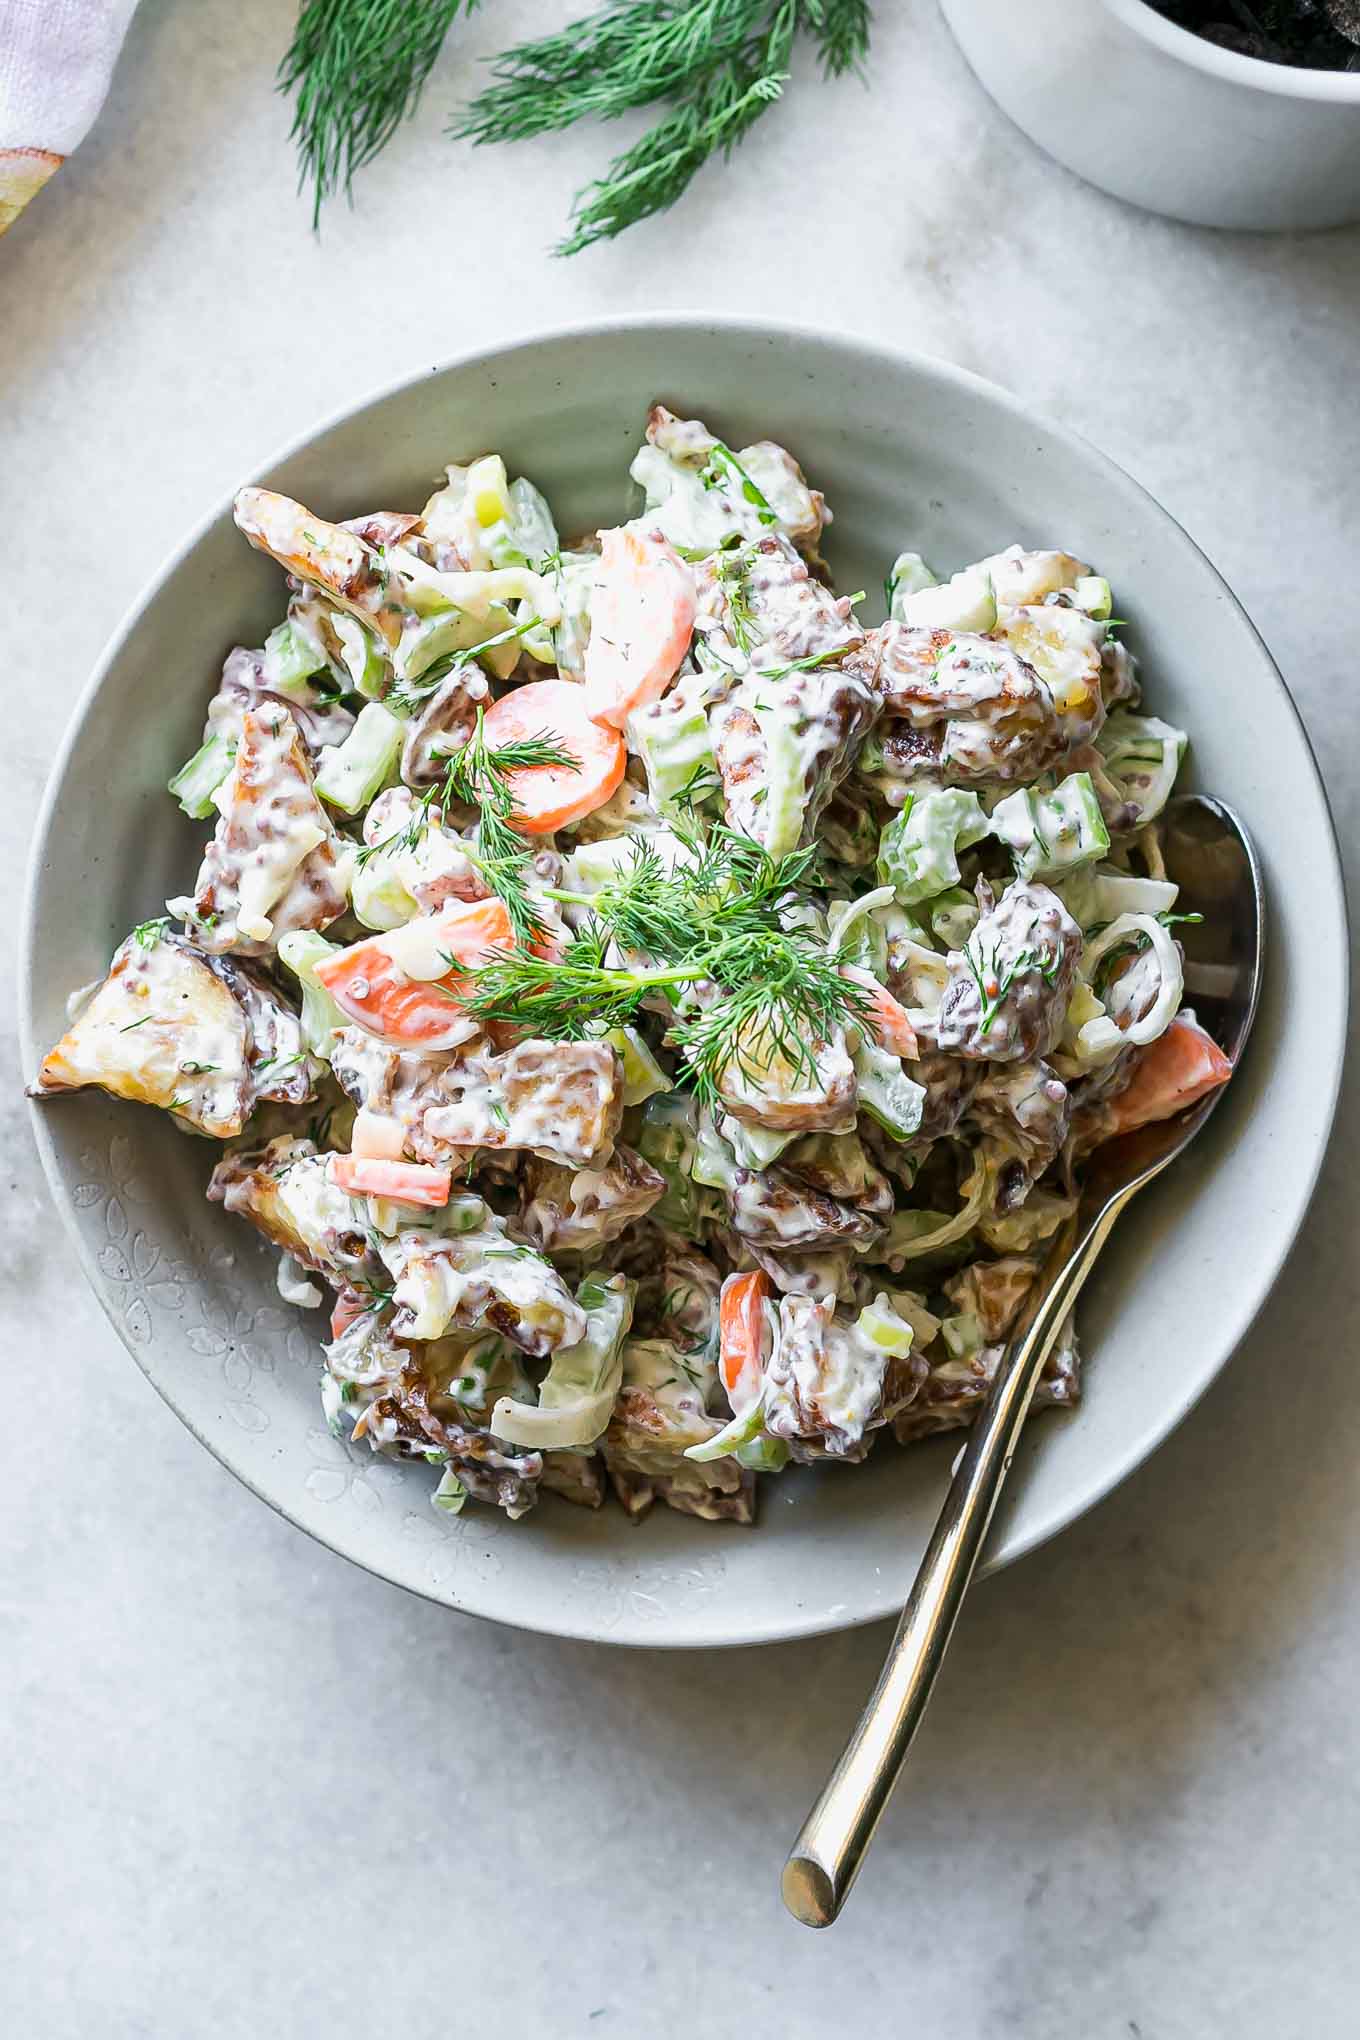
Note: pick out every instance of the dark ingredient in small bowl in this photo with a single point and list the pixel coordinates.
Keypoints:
(1315, 35)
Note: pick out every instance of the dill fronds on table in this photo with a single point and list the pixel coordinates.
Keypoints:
(710, 67)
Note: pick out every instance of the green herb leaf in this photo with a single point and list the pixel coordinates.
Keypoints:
(717, 65)
(357, 68)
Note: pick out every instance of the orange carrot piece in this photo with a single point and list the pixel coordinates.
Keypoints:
(886, 1016)
(403, 1182)
(642, 613)
(1177, 1069)
(370, 987)
(741, 1327)
(549, 797)
(349, 1307)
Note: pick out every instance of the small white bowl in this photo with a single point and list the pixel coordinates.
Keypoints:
(910, 453)
(1163, 118)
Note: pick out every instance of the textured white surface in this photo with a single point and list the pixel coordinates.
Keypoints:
(250, 1790)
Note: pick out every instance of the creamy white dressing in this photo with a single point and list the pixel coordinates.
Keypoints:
(164, 1029)
(295, 1286)
(275, 863)
(478, 1278)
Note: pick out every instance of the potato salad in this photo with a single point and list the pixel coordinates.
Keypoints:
(657, 1014)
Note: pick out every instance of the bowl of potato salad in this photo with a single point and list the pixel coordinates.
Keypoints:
(582, 937)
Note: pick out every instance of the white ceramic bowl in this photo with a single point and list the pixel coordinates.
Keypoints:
(910, 453)
(1163, 118)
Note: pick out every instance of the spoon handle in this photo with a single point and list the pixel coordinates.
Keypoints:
(831, 1844)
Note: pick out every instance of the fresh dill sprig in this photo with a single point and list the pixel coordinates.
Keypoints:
(716, 65)
(377, 1295)
(476, 775)
(715, 921)
(357, 68)
(993, 984)
(722, 468)
(732, 571)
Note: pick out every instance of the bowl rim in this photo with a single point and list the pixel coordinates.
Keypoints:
(1283, 81)
(1141, 1446)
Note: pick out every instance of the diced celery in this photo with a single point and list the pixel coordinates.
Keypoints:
(965, 602)
(578, 1392)
(533, 531)
(1142, 756)
(290, 659)
(196, 782)
(962, 1335)
(786, 790)
(302, 950)
(741, 1430)
(449, 630)
(378, 893)
(753, 1147)
(667, 1141)
(352, 774)
(464, 1212)
(886, 1092)
(714, 1164)
(643, 1076)
(598, 864)
(574, 580)
(363, 660)
(488, 490)
(676, 748)
(918, 851)
(1091, 592)
(866, 944)
(908, 576)
(1051, 832)
(911, 1305)
(882, 1327)
(450, 1495)
(763, 1455)
(953, 916)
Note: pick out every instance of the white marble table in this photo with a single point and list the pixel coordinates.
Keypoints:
(250, 1790)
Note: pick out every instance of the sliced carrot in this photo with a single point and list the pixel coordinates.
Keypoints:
(349, 1307)
(1177, 1069)
(741, 1328)
(370, 985)
(888, 1019)
(472, 930)
(403, 1182)
(642, 612)
(549, 797)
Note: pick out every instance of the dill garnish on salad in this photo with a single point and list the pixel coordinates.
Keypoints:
(661, 1015)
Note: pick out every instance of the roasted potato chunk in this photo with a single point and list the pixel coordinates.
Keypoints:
(563, 1100)
(275, 863)
(567, 1211)
(285, 1191)
(172, 1027)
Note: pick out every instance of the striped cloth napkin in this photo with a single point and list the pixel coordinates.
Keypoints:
(56, 59)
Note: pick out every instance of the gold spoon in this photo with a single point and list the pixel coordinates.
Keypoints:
(1210, 857)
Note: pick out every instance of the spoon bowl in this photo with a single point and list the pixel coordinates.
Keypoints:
(1209, 856)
